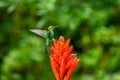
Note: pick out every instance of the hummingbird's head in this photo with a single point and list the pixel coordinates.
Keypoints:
(52, 27)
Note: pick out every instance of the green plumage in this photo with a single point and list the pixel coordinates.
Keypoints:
(49, 35)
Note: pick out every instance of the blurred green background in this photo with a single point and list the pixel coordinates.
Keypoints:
(92, 25)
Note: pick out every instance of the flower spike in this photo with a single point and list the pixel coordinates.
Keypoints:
(61, 59)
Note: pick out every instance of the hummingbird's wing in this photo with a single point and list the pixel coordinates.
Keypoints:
(38, 32)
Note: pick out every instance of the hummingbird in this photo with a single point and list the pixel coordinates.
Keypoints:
(47, 34)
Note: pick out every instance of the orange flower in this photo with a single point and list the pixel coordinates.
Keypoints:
(62, 61)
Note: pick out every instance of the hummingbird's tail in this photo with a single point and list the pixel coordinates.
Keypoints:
(47, 49)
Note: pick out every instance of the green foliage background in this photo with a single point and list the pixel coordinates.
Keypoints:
(92, 25)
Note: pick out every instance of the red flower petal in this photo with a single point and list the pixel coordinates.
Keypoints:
(66, 54)
(54, 68)
(62, 68)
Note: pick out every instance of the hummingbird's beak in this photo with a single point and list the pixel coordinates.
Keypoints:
(55, 27)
